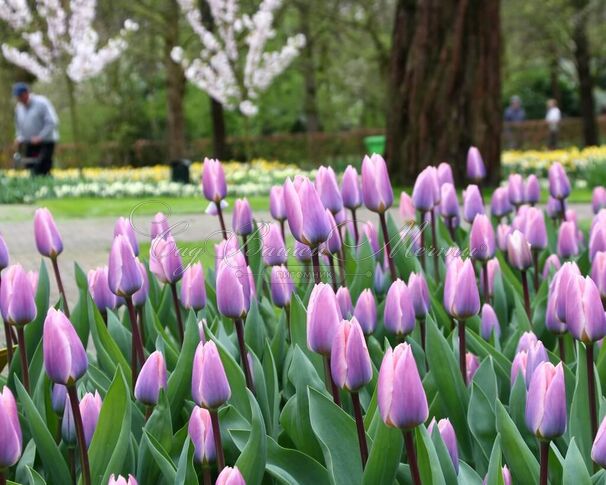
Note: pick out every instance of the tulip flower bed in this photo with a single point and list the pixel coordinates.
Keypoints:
(435, 345)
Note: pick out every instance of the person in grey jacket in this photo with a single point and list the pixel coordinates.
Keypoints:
(36, 124)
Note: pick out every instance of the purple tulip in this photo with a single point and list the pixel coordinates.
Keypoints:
(323, 316)
(568, 245)
(334, 243)
(165, 260)
(598, 199)
(200, 432)
(552, 322)
(124, 276)
(209, 385)
(350, 188)
(597, 240)
(282, 286)
(560, 282)
(376, 186)
(445, 174)
(493, 268)
(552, 263)
(559, 185)
(500, 205)
(399, 315)
(449, 205)
(532, 190)
(242, 219)
(518, 366)
(482, 239)
(426, 191)
(515, 189)
(274, 250)
(213, 180)
(151, 380)
(461, 296)
(399, 371)
(48, 239)
(227, 248)
(407, 208)
(518, 251)
(490, 323)
(58, 398)
(276, 203)
(546, 402)
(193, 287)
(125, 228)
(140, 296)
(472, 364)
(449, 438)
(585, 317)
(536, 356)
(98, 286)
(159, 226)
(419, 294)
(553, 208)
(472, 203)
(598, 450)
(230, 476)
(302, 252)
(344, 301)
(12, 440)
(505, 473)
(328, 189)
(526, 342)
(379, 279)
(598, 272)
(370, 232)
(535, 230)
(503, 232)
(65, 359)
(476, 169)
(233, 287)
(366, 311)
(90, 408)
(351, 367)
(306, 214)
(120, 480)
(17, 296)
(3, 254)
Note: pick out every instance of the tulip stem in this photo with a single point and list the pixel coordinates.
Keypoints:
(245, 248)
(73, 398)
(422, 238)
(593, 415)
(23, 356)
(287, 310)
(563, 209)
(535, 259)
(173, 289)
(141, 324)
(412, 456)
(148, 412)
(137, 354)
(354, 220)
(392, 267)
(330, 383)
(333, 274)
(462, 351)
(544, 445)
(72, 463)
(485, 282)
(2, 478)
(561, 348)
(283, 230)
(9, 343)
(451, 229)
(221, 221)
(214, 419)
(60, 285)
(341, 263)
(526, 294)
(315, 260)
(243, 355)
(355, 400)
(206, 475)
(434, 249)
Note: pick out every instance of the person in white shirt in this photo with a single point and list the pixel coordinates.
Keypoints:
(553, 118)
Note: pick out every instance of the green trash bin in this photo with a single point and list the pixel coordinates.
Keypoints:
(375, 144)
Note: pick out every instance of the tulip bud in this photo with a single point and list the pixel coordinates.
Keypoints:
(58, 397)
(527, 340)
(568, 245)
(99, 289)
(598, 199)
(193, 287)
(242, 220)
(472, 203)
(90, 408)
(597, 239)
(124, 276)
(151, 380)
(323, 315)
(598, 450)
(500, 205)
(559, 185)
(419, 294)
(560, 284)
(553, 208)
(140, 296)
(379, 279)
(505, 473)
(276, 203)
(598, 272)
(552, 322)
(493, 268)
(482, 238)
(120, 480)
(398, 371)
(302, 252)
(125, 228)
(518, 366)
(376, 186)
(351, 368)
(515, 189)
(546, 402)
(274, 250)
(209, 387)
(407, 208)
(3, 254)
(328, 189)
(230, 476)
(399, 315)
(461, 296)
(159, 226)
(472, 363)
(423, 192)
(350, 188)
(365, 311)
(17, 296)
(12, 440)
(306, 215)
(449, 205)
(449, 438)
(518, 251)
(585, 317)
(445, 174)
(282, 286)
(370, 232)
(344, 301)
(227, 248)
(476, 170)
(233, 287)
(535, 230)
(65, 359)
(165, 260)
(200, 432)
(48, 239)
(213, 180)
(536, 356)
(552, 264)
(490, 323)
(333, 244)
(532, 191)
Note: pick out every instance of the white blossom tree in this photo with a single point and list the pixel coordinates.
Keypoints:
(233, 66)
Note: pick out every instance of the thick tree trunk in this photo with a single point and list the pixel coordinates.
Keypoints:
(582, 59)
(175, 85)
(554, 78)
(445, 86)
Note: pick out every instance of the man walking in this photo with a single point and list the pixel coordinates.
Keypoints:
(36, 125)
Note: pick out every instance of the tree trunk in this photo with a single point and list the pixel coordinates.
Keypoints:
(310, 100)
(582, 59)
(175, 85)
(554, 77)
(445, 86)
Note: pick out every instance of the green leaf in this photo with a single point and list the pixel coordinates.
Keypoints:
(429, 464)
(446, 464)
(385, 455)
(108, 448)
(159, 426)
(495, 475)
(251, 461)
(162, 458)
(49, 453)
(79, 314)
(33, 477)
(336, 432)
(293, 467)
(186, 473)
(575, 470)
(363, 273)
(467, 475)
(254, 330)
(580, 424)
(298, 328)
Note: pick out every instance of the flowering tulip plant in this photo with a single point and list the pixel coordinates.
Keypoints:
(353, 360)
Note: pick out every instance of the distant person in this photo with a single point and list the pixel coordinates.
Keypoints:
(553, 119)
(36, 124)
(514, 114)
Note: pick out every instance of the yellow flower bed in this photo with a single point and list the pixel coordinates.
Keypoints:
(572, 158)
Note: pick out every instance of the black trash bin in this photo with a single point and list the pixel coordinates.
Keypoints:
(179, 171)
